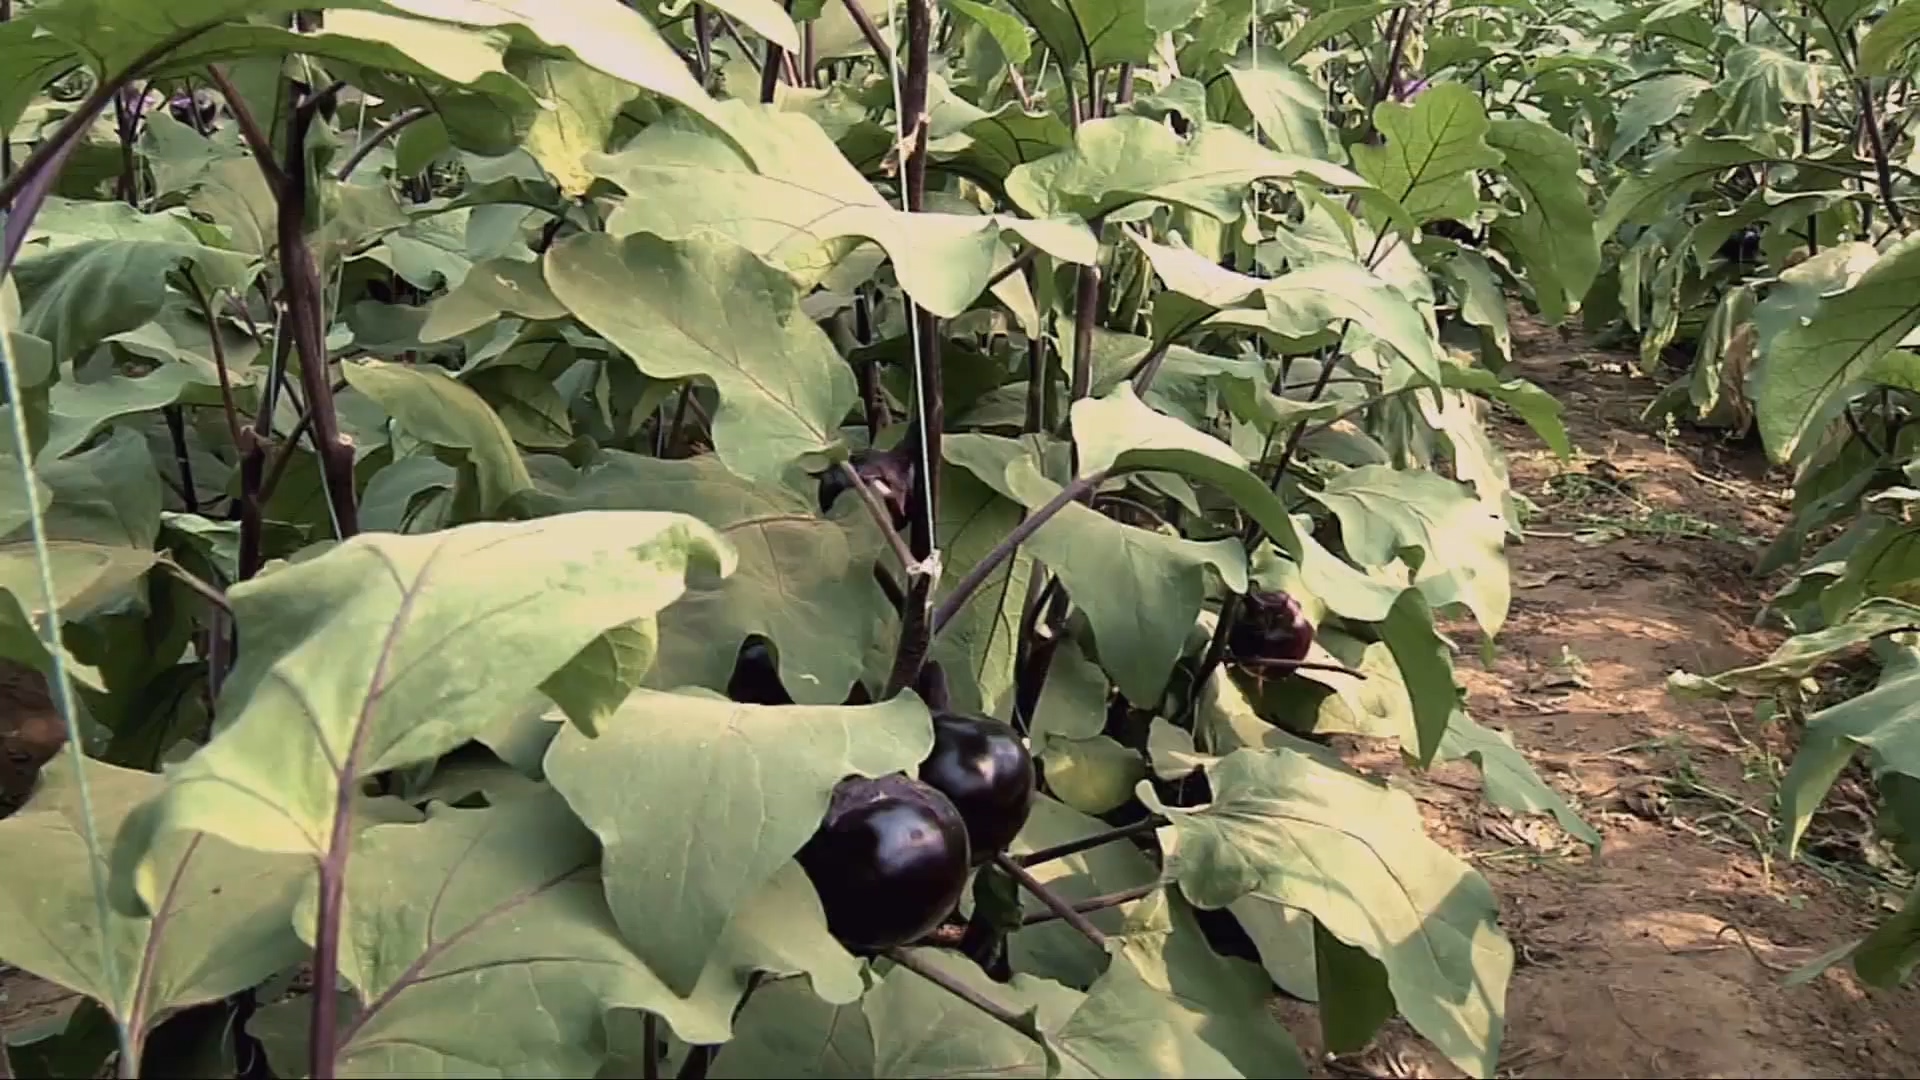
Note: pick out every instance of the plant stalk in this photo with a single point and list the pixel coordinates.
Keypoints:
(394, 125)
(871, 31)
(1054, 901)
(1088, 843)
(1002, 551)
(917, 618)
(1096, 903)
(908, 959)
(305, 297)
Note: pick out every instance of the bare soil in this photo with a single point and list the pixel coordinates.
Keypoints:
(1663, 956)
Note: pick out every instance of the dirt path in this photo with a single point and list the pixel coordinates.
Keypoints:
(1633, 964)
(1635, 565)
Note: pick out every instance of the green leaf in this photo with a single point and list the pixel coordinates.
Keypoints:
(1296, 831)
(387, 651)
(727, 794)
(1008, 32)
(1809, 361)
(1538, 408)
(1093, 32)
(1288, 107)
(1653, 102)
(1426, 667)
(1509, 778)
(904, 1026)
(583, 104)
(438, 409)
(1140, 590)
(1121, 160)
(707, 307)
(1433, 146)
(220, 925)
(1450, 539)
(792, 198)
(1682, 170)
(490, 290)
(1054, 949)
(1761, 82)
(87, 578)
(1798, 656)
(1886, 957)
(79, 294)
(1885, 48)
(797, 572)
(977, 648)
(1305, 302)
(496, 952)
(76, 411)
(1354, 996)
(1170, 1006)
(1883, 720)
(1553, 233)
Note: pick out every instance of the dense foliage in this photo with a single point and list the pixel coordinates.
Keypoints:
(570, 536)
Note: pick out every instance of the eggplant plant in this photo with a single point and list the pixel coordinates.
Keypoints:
(742, 540)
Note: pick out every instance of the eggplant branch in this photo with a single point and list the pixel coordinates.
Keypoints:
(1054, 901)
(305, 300)
(1002, 551)
(910, 960)
(917, 619)
(1088, 843)
(381, 134)
(1096, 903)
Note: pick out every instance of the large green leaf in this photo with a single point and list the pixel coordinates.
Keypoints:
(1682, 170)
(709, 308)
(1386, 514)
(490, 290)
(390, 650)
(1305, 302)
(584, 105)
(798, 572)
(1433, 147)
(1809, 361)
(1140, 589)
(1653, 102)
(496, 953)
(1294, 830)
(79, 294)
(1287, 107)
(1887, 44)
(87, 578)
(1122, 160)
(438, 409)
(978, 646)
(1761, 82)
(1553, 233)
(1103, 32)
(792, 198)
(220, 924)
(725, 794)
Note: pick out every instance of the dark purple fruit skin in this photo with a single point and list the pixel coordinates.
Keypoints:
(888, 473)
(1271, 627)
(889, 861)
(981, 764)
(756, 676)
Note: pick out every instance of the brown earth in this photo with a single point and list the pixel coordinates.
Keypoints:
(1663, 957)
